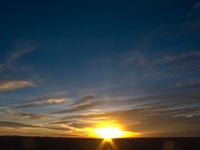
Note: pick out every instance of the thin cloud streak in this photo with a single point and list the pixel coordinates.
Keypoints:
(24, 125)
(44, 103)
(88, 115)
(82, 125)
(149, 120)
(82, 107)
(45, 97)
(29, 115)
(10, 113)
(196, 5)
(84, 99)
(14, 85)
(137, 59)
(16, 124)
(25, 48)
(25, 115)
(181, 97)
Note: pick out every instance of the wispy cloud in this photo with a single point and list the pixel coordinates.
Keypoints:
(196, 5)
(81, 125)
(6, 108)
(25, 115)
(137, 59)
(156, 102)
(61, 122)
(88, 115)
(58, 128)
(175, 98)
(16, 124)
(23, 48)
(45, 97)
(13, 85)
(186, 84)
(167, 59)
(81, 107)
(85, 99)
(25, 125)
(44, 100)
(29, 115)
(43, 103)
(10, 113)
(149, 120)
(174, 113)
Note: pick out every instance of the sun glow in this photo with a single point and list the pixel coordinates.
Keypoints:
(108, 133)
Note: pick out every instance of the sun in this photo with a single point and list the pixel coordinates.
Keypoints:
(108, 133)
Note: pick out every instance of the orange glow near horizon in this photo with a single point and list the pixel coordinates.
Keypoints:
(108, 133)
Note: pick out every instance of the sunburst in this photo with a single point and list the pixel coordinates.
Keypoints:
(108, 133)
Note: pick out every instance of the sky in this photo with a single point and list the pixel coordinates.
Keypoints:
(69, 67)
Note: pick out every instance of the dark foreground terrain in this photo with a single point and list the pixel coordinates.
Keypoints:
(47, 143)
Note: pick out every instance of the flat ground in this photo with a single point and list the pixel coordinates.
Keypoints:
(47, 143)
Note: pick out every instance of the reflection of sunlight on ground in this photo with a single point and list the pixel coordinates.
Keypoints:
(107, 144)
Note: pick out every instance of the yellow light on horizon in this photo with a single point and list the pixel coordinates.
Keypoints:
(108, 133)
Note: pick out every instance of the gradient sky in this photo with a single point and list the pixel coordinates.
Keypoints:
(67, 67)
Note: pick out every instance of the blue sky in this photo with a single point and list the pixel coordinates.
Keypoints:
(68, 66)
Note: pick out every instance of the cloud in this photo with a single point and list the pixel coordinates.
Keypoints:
(152, 121)
(82, 125)
(137, 100)
(55, 101)
(138, 66)
(154, 102)
(43, 103)
(21, 115)
(171, 126)
(58, 128)
(24, 48)
(44, 100)
(174, 114)
(31, 116)
(186, 84)
(13, 85)
(196, 5)
(62, 122)
(82, 107)
(191, 54)
(179, 97)
(24, 125)
(67, 135)
(137, 59)
(88, 115)
(16, 124)
(6, 108)
(84, 99)
(45, 97)
(27, 115)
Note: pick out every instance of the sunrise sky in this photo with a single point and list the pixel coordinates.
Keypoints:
(70, 67)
